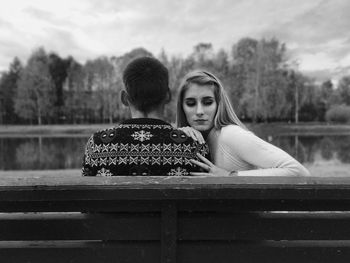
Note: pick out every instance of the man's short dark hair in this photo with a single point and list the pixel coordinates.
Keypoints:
(146, 81)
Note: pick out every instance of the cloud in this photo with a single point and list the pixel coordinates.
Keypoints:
(318, 61)
(8, 49)
(40, 14)
(344, 62)
(323, 21)
(315, 31)
(318, 36)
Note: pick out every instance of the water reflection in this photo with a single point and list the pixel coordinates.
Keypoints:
(309, 149)
(344, 150)
(39, 153)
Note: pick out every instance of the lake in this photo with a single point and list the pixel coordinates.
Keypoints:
(66, 152)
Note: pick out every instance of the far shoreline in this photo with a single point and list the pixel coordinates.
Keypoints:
(303, 128)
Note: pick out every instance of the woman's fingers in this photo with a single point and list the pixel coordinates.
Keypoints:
(199, 136)
(187, 132)
(193, 133)
(194, 136)
(205, 160)
(200, 164)
(208, 166)
(205, 164)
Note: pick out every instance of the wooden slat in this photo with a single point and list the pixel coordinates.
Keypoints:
(131, 181)
(193, 226)
(263, 205)
(79, 252)
(170, 188)
(115, 193)
(264, 226)
(82, 205)
(183, 205)
(169, 233)
(268, 251)
(53, 252)
(77, 226)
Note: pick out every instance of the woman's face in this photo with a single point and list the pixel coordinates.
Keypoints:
(200, 106)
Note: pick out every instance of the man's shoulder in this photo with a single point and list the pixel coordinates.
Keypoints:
(164, 133)
(179, 137)
(104, 135)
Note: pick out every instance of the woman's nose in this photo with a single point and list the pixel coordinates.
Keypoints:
(199, 110)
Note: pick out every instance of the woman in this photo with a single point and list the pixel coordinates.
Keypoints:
(204, 106)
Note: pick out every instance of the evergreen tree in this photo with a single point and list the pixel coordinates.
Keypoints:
(58, 71)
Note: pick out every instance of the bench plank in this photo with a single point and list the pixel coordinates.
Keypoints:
(264, 226)
(79, 251)
(172, 188)
(78, 226)
(267, 251)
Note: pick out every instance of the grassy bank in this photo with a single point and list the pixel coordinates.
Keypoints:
(86, 129)
(301, 128)
(31, 173)
(79, 129)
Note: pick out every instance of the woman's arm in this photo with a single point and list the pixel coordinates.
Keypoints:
(267, 158)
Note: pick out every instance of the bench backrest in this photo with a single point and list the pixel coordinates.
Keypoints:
(174, 219)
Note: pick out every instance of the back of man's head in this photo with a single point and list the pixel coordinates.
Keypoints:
(146, 81)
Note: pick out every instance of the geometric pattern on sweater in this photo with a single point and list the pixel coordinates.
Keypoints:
(146, 153)
(141, 147)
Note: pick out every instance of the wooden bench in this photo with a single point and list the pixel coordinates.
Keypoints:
(174, 219)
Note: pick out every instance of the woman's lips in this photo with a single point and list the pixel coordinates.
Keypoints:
(200, 121)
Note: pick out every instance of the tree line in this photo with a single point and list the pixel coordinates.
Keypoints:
(260, 79)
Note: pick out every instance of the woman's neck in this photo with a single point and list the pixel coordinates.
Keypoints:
(206, 133)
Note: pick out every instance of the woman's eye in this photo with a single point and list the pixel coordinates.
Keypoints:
(190, 103)
(208, 102)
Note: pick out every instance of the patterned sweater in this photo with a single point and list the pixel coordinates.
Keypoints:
(141, 146)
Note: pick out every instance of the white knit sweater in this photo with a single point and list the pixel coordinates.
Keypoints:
(236, 149)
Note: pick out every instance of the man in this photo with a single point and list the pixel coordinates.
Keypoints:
(144, 144)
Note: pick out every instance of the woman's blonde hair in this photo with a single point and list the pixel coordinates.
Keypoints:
(225, 115)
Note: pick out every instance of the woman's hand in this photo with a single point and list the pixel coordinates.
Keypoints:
(193, 133)
(208, 166)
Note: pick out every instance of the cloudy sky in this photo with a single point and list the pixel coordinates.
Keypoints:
(316, 32)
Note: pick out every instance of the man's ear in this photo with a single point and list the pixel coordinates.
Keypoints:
(168, 96)
(124, 98)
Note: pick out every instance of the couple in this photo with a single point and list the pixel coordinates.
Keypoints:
(210, 139)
